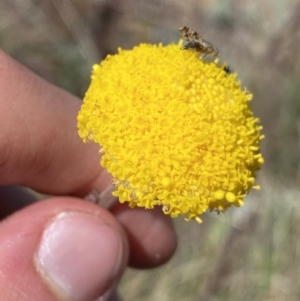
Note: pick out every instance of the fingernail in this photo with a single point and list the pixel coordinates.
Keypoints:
(79, 256)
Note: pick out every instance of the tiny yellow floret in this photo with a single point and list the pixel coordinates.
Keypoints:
(175, 131)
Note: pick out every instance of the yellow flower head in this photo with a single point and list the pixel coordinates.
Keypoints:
(174, 130)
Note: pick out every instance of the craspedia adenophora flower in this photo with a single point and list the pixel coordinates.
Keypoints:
(174, 130)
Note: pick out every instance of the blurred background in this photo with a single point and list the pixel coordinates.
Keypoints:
(251, 253)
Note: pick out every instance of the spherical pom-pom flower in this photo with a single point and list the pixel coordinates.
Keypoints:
(174, 130)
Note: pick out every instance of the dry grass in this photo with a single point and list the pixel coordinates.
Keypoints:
(246, 254)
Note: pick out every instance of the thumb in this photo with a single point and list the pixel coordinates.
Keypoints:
(60, 249)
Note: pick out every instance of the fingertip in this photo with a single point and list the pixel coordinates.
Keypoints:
(64, 248)
(150, 233)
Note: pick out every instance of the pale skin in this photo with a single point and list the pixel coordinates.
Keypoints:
(40, 149)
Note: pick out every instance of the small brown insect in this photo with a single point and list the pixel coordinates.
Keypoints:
(194, 41)
(227, 69)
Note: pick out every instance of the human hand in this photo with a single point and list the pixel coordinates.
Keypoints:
(62, 248)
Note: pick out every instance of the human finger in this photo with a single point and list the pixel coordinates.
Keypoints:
(39, 145)
(150, 233)
(60, 249)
